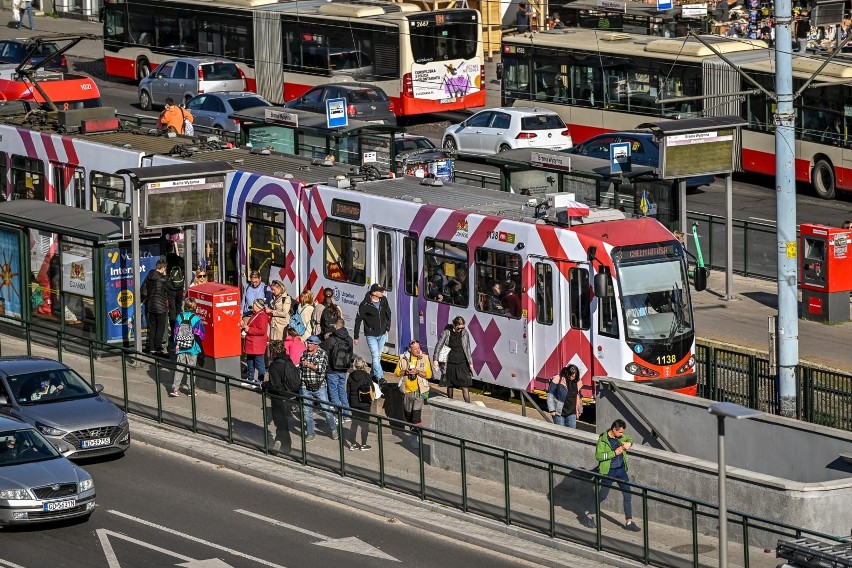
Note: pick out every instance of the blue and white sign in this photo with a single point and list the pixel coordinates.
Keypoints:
(664, 4)
(335, 113)
(619, 157)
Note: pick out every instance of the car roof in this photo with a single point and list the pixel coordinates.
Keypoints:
(522, 110)
(230, 94)
(9, 423)
(634, 133)
(407, 136)
(200, 60)
(351, 86)
(20, 364)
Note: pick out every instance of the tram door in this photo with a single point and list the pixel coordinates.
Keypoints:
(387, 271)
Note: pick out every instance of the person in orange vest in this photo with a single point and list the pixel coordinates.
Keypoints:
(172, 118)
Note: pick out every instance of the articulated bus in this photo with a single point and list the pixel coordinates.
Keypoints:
(609, 294)
(425, 61)
(603, 82)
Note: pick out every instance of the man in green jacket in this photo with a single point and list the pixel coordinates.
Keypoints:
(611, 453)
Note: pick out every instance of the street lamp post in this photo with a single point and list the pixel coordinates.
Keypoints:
(724, 410)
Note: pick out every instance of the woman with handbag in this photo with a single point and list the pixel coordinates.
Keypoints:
(457, 366)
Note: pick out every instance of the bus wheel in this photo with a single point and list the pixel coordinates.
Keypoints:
(143, 69)
(145, 100)
(822, 178)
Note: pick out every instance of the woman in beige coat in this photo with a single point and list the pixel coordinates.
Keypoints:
(279, 311)
(306, 310)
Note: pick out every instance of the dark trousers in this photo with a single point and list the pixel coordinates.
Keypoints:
(281, 409)
(359, 420)
(623, 482)
(156, 329)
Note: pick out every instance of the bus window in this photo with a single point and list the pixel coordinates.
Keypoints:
(579, 298)
(446, 272)
(516, 80)
(607, 314)
(543, 293)
(384, 256)
(109, 195)
(498, 283)
(345, 251)
(409, 260)
(266, 242)
(27, 178)
(115, 23)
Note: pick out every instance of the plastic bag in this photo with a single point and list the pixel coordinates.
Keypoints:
(377, 391)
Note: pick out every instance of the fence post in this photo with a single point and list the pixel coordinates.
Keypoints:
(710, 372)
(752, 381)
(506, 487)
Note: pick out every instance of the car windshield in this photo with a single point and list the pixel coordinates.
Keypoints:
(242, 103)
(24, 446)
(366, 96)
(408, 144)
(542, 122)
(49, 386)
(221, 71)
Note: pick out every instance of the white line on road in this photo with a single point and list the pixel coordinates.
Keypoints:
(278, 523)
(196, 539)
(9, 564)
(772, 221)
(112, 559)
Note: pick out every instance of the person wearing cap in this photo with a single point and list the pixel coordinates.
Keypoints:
(313, 365)
(375, 313)
(255, 330)
(255, 289)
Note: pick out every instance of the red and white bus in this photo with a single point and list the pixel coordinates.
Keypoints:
(66, 90)
(425, 61)
(603, 82)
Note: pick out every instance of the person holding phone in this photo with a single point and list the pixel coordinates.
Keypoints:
(611, 454)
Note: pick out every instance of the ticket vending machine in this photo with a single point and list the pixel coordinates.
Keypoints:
(218, 305)
(825, 272)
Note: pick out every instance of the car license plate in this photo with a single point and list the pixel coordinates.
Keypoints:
(447, 101)
(60, 505)
(94, 443)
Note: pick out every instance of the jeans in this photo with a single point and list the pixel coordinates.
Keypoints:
(28, 6)
(322, 396)
(258, 362)
(570, 421)
(181, 374)
(337, 390)
(376, 344)
(620, 476)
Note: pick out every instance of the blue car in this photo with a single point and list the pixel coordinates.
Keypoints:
(13, 51)
(644, 151)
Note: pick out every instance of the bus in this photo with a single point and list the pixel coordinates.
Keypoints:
(66, 90)
(425, 61)
(605, 82)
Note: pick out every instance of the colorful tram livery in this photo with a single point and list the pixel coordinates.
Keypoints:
(609, 296)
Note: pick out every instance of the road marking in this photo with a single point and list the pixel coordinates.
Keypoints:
(771, 221)
(191, 562)
(346, 544)
(9, 564)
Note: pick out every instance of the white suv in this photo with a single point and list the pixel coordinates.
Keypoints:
(498, 129)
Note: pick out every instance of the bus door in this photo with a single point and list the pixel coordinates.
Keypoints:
(560, 320)
(386, 271)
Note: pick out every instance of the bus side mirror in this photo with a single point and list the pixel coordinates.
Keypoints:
(602, 289)
(700, 279)
(499, 71)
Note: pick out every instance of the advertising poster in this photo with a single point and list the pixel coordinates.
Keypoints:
(10, 275)
(446, 80)
(118, 288)
(77, 270)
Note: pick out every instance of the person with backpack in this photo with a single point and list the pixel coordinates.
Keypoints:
(279, 311)
(254, 290)
(256, 335)
(284, 381)
(329, 313)
(156, 299)
(414, 370)
(375, 312)
(340, 350)
(359, 389)
(301, 320)
(188, 335)
(175, 286)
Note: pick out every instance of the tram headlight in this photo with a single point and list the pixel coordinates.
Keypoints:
(640, 371)
(690, 363)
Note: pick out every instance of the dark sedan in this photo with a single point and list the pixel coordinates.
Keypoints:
(644, 151)
(12, 51)
(363, 102)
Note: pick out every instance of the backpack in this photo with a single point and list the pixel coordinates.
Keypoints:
(184, 339)
(176, 277)
(365, 392)
(292, 376)
(297, 323)
(341, 355)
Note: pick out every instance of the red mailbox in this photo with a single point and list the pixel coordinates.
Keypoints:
(825, 272)
(219, 309)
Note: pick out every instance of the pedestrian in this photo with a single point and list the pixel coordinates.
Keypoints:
(329, 313)
(340, 349)
(375, 312)
(256, 335)
(279, 311)
(283, 382)
(28, 6)
(511, 301)
(200, 278)
(611, 454)
(188, 335)
(457, 365)
(174, 118)
(314, 365)
(175, 285)
(255, 289)
(522, 18)
(359, 388)
(563, 397)
(156, 300)
(306, 313)
(294, 346)
(414, 370)
(557, 392)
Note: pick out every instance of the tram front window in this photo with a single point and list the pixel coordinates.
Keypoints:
(656, 300)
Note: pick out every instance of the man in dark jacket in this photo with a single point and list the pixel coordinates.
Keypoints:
(155, 297)
(282, 375)
(339, 348)
(175, 285)
(375, 312)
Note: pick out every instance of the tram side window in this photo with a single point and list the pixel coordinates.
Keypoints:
(544, 293)
(409, 259)
(384, 257)
(446, 265)
(607, 313)
(498, 283)
(345, 251)
(109, 195)
(267, 246)
(579, 298)
(27, 178)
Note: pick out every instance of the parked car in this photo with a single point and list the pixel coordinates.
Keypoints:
(215, 109)
(644, 151)
(183, 78)
(37, 483)
(56, 400)
(419, 156)
(496, 130)
(13, 51)
(363, 101)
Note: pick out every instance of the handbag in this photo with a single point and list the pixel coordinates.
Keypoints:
(443, 354)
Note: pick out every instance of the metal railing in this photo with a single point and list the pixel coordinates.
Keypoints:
(144, 121)
(240, 415)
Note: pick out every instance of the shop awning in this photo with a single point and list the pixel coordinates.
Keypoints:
(69, 221)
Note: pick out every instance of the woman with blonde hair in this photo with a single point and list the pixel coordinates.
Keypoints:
(279, 311)
(359, 387)
(306, 312)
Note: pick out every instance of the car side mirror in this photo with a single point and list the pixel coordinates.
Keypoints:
(4, 401)
(602, 289)
(99, 388)
(700, 278)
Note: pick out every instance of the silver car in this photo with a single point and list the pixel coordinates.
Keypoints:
(62, 406)
(183, 78)
(215, 109)
(38, 484)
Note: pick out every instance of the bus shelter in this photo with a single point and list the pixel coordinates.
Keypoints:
(303, 133)
(60, 264)
(637, 192)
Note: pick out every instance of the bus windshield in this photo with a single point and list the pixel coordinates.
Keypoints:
(655, 297)
(444, 36)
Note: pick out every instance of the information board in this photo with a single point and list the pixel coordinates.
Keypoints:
(175, 203)
(699, 153)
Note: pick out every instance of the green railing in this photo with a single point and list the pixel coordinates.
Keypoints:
(144, 121)
(239, 415)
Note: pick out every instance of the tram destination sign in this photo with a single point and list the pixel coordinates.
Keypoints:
(178, 202)
(698, 153)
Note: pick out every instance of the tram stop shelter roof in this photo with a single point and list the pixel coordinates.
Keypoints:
(62, 219)
(581, 166)
(689, 125)
(315, 121)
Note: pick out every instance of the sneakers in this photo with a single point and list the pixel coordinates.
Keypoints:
(276, 446)
(174, 393)
(632, 527)
(365, 447)
(310, 438)
(346, 420)
(334, 434)
(353, 447)
(588, 521)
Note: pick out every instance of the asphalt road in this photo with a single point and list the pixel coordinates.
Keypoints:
(156, 508)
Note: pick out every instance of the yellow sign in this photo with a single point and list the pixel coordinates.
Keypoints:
(792, 249)
(125, 298)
